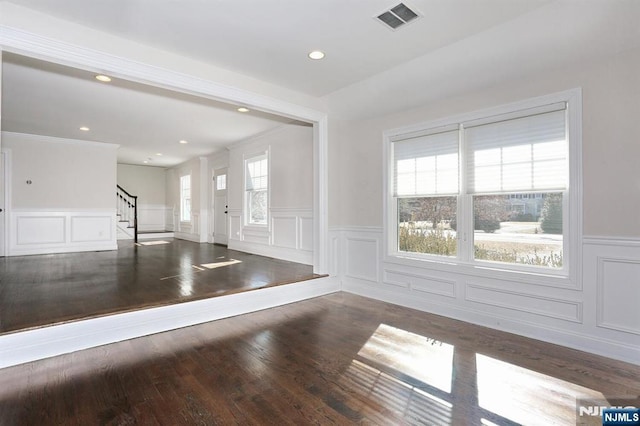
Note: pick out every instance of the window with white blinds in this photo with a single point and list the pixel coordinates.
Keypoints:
(500, 186)
(527, 153)
(426, 165)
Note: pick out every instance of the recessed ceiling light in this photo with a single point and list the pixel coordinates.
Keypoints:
(145, 161)
(316, 54)
(158, 153)
(183, 142)
(84, 128)
(103, 78)
(243, 109)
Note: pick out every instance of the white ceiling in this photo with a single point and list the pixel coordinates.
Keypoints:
(269, 40)
(53, 100)
(457, 46)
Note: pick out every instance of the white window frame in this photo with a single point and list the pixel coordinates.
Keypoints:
(568, 276)
(182, 199)
(247, 193)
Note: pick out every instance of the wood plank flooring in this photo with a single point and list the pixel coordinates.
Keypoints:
(42, 290)
(337, 359)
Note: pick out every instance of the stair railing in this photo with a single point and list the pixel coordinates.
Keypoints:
(127, 206)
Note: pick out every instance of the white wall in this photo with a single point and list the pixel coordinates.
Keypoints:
(596, 315)
(149, 184)
(69, 204)
(289, 232)
(610, 149)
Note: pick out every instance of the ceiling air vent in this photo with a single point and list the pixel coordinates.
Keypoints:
(397, 16)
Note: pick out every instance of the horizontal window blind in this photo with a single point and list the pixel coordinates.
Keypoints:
(426, 165)
(257, 174)
(520, 154)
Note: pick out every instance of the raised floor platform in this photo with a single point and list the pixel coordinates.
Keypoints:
(56, 304)
(43, 290)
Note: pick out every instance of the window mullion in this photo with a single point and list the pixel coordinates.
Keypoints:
(465, 240)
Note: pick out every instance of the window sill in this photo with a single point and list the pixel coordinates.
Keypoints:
(558, 279)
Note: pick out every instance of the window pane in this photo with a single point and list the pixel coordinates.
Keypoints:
(420, 162)
(521, 228)
(488, 179)
(515, 146)
(257, 174)
(221, 182)
(427, 225)
(516, 176)
(258, 207)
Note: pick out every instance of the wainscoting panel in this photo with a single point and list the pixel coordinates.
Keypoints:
(618, 294)
(31, 230)
(43, 232)
(285, 232)
(170, 219)
(305, 233)
(90, 228)
(153, 217)
(235, 225)
(256, 235)
(362, 251)
(598, 315)
(529, 303)
(421, 283)
(289, 237)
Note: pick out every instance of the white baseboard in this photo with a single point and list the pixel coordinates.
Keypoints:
(22, 347)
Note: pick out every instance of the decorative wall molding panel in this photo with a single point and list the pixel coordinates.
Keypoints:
(171, 219)
(289, 237)
(599, 316)
(235, 224)
(618, 294)
(153, 217)
(41, 231)
(528, 303)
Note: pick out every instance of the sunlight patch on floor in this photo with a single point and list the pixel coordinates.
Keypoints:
(215, 265)
(397, 396)
(411, 354)
(520, 394)
(153, 243)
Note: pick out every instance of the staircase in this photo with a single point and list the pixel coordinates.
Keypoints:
(127, 212)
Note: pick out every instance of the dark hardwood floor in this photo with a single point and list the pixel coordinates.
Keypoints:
(42, 290)
(337, 359)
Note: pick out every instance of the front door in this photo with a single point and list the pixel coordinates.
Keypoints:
(220, 207)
